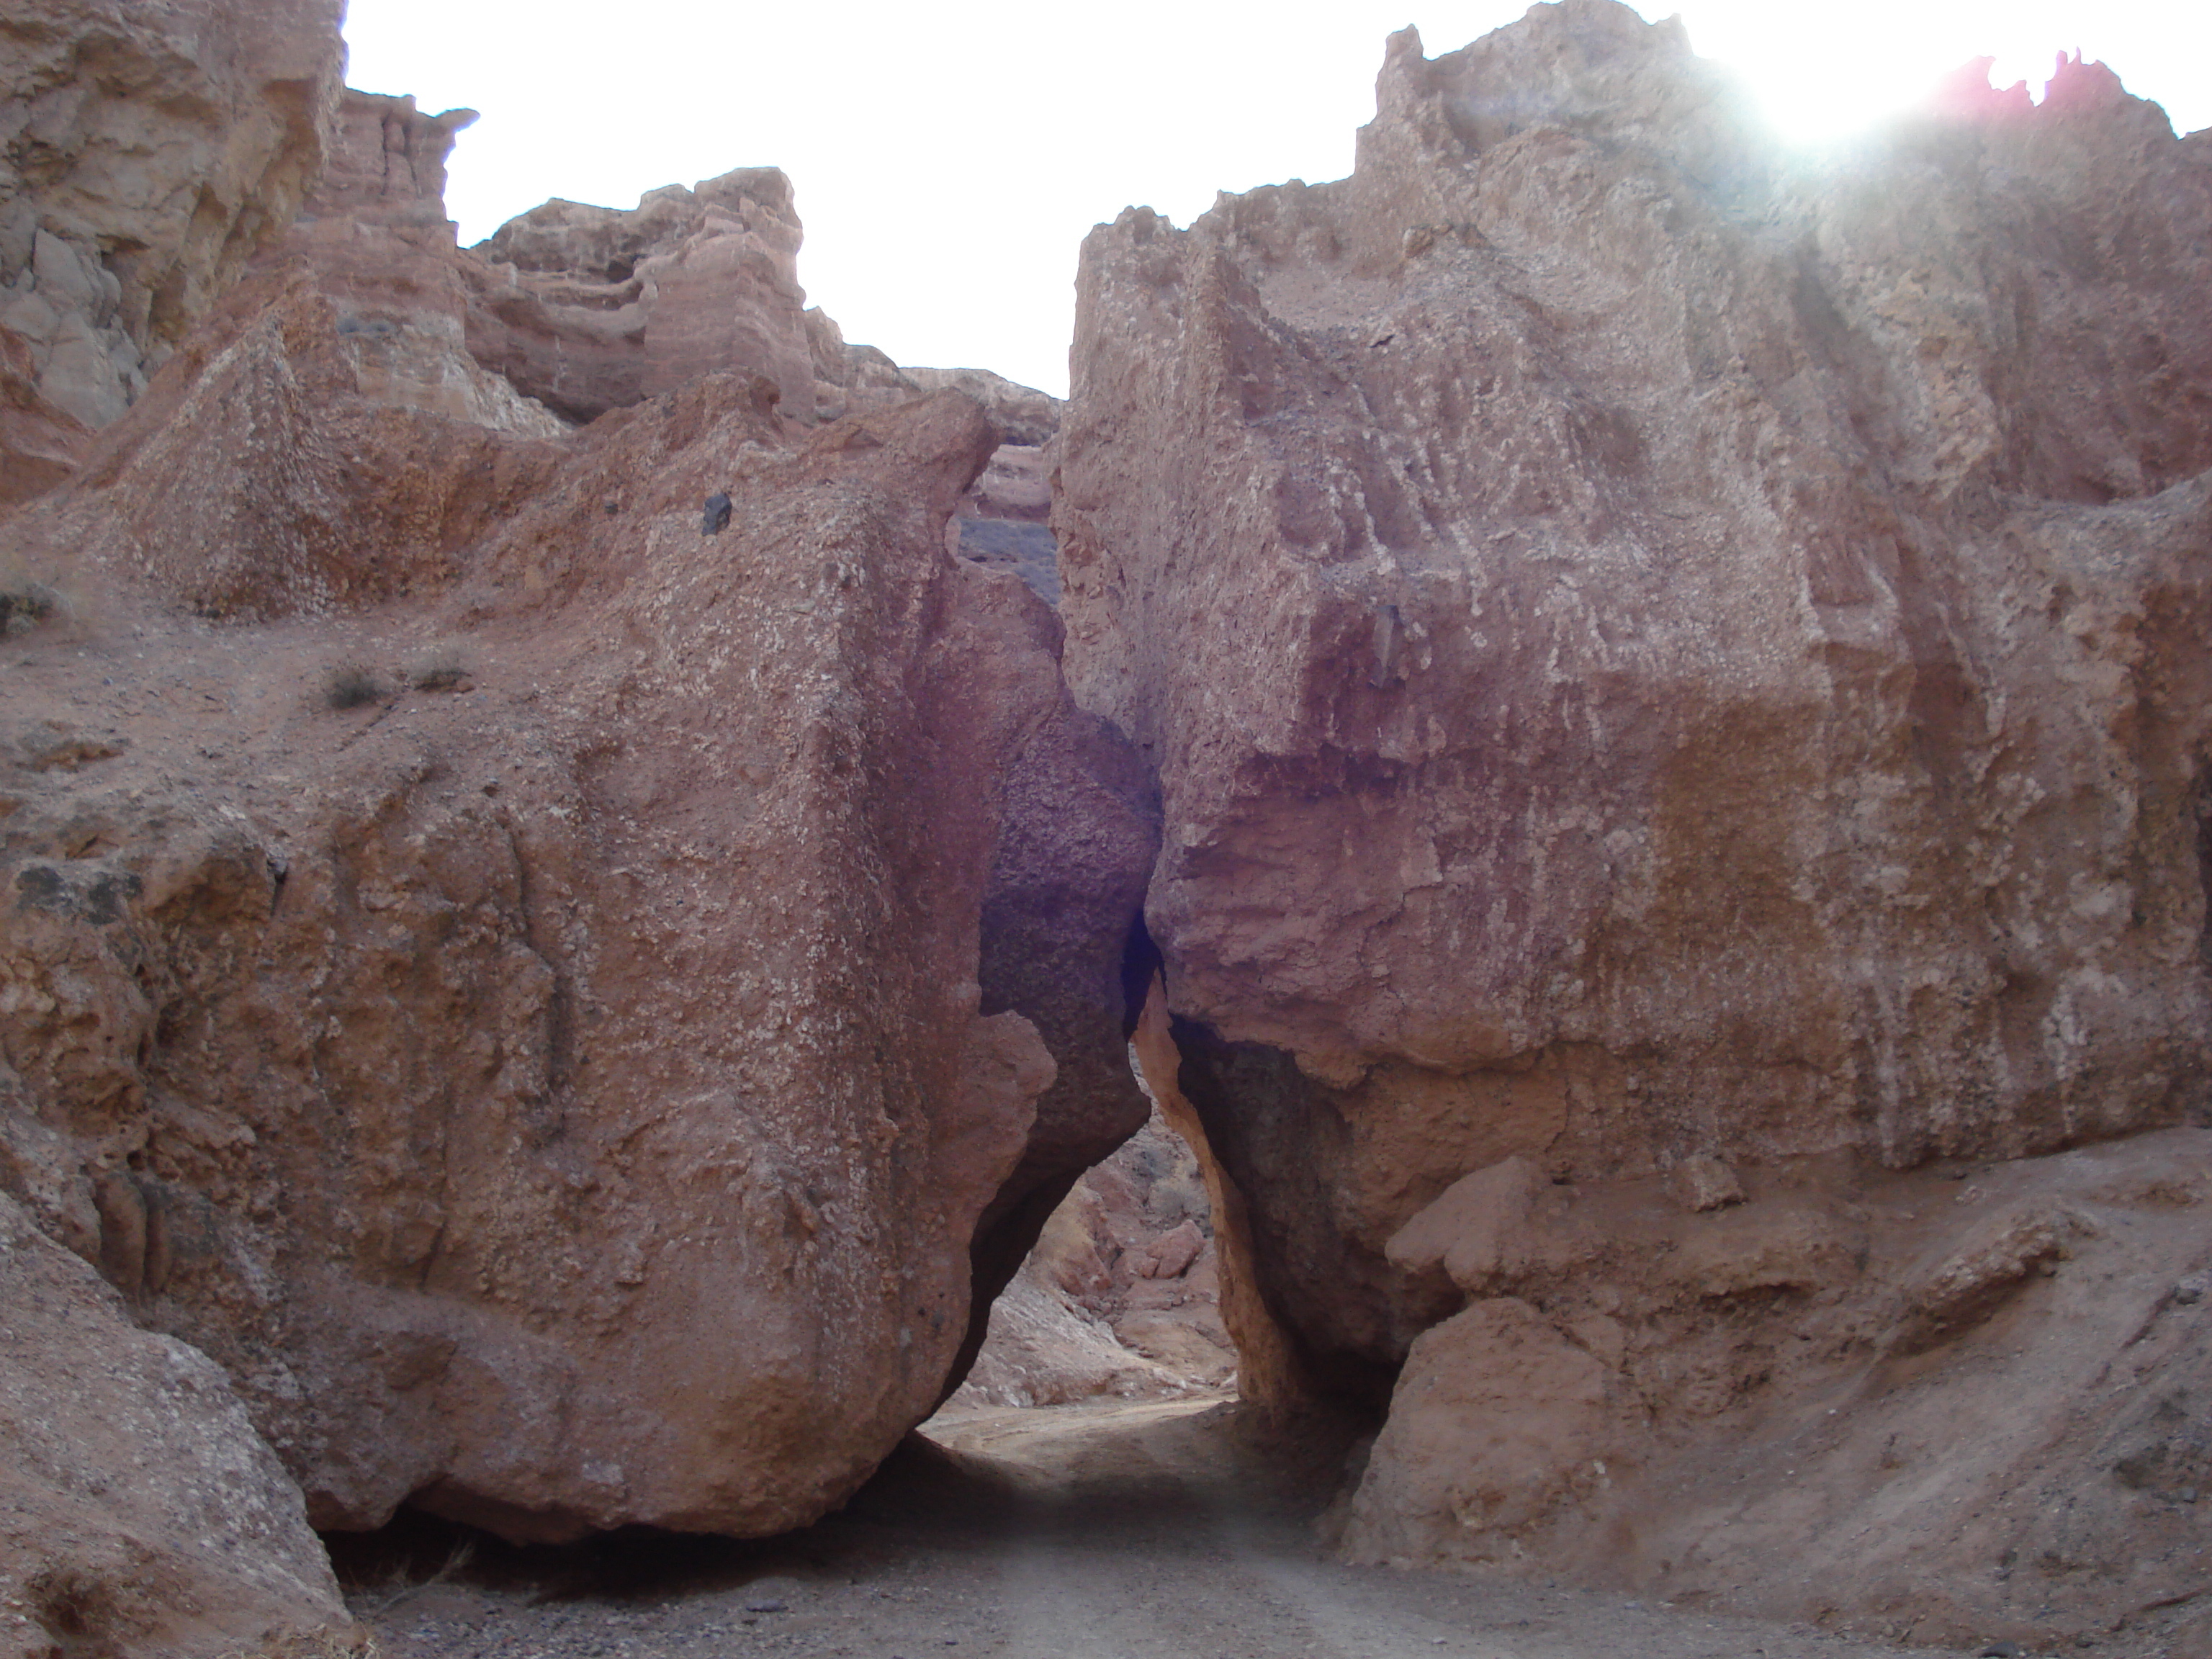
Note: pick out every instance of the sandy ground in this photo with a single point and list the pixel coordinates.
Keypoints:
(1114, 1531)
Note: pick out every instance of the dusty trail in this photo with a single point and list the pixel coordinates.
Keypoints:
(1096, 1532)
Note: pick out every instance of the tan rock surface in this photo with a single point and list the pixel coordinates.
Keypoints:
(375, 236)
(139, 1510)
(1661, 657)
(590, 308)
(149, 151)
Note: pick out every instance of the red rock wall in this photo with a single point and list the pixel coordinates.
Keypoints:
(1660, 656)
(1629, 674)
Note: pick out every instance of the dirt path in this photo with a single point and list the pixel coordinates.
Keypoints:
(1098, 1532)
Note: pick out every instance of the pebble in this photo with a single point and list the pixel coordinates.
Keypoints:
(2001, 1650)
(765, 1607)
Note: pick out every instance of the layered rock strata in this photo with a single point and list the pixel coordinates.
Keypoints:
(586, 309)
(1659, 654)
(595, 308)
(374, 240)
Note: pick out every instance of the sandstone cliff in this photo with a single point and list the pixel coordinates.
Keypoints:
(1660, 656)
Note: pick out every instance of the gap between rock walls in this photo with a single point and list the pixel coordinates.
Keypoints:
(1553, 834)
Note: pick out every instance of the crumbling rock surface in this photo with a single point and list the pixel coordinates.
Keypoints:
(1965, 1404)
(149, 151)
(587, 309)
(139, 1510)
(1659, 654)
(376, 239)
(272, 476)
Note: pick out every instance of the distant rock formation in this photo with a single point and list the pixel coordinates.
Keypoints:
(375, 240)
(598, 308)
(1656, 651)
(1121, 1296)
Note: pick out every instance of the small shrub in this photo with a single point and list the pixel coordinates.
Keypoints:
(352, 685)
(24, 603)
(438, 670)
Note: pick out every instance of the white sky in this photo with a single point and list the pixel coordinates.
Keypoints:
(948, 161)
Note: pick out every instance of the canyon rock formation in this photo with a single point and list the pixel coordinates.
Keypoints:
(1671, 666)
(1663, 815)
(601, 308)
(566, 1009)
(1121, 1295)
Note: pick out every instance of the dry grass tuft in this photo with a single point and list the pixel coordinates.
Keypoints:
(25, 600)
(352, 685)
(403, 1584)
(439, 669)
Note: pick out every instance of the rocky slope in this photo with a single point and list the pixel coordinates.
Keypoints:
(1666, 662)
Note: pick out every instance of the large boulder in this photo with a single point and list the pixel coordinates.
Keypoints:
(536, 1043)
(1659, 654)
(569, 996)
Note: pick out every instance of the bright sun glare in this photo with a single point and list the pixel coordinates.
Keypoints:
(1823, 72)
(947, 171)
